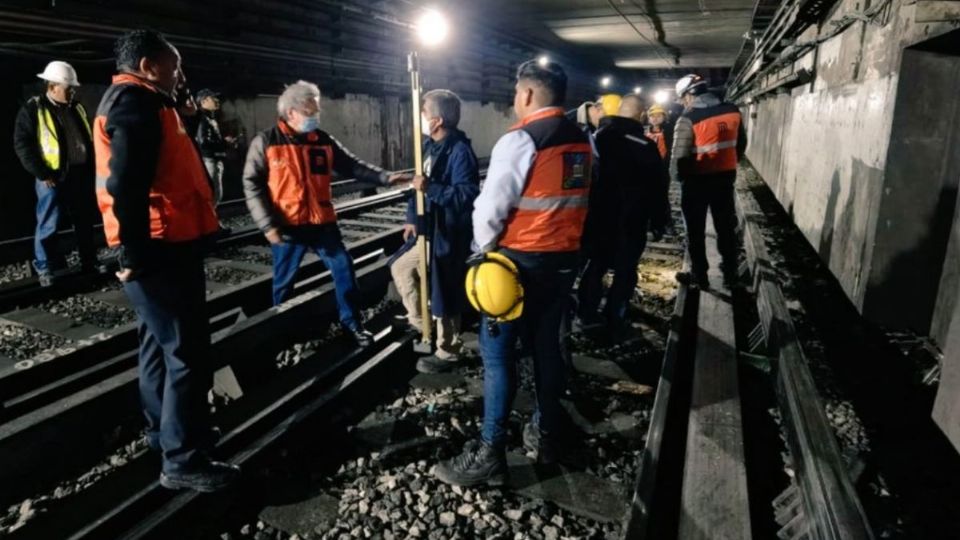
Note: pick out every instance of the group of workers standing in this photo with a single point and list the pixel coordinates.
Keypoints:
(560, 200)
(567, 198)
(53, 139)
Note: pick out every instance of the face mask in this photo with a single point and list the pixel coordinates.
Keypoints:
(309, 124)
(424, 125)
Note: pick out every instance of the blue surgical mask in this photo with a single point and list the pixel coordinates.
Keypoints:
(309, 124)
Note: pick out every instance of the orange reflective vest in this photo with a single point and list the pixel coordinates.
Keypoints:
(715, 132)
(553, 205)
(300, 169)
(661, 140)
(180, 198)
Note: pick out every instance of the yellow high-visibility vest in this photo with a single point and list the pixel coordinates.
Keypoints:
(47, 134)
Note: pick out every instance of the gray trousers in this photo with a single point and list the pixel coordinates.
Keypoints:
(406, 276)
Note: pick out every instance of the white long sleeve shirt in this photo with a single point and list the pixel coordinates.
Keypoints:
(510, 163)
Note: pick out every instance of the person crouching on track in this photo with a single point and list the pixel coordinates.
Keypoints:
(287, 183)
(450, 183)
(527, 224)
(158, 209)
(630, 194)
(708, 142)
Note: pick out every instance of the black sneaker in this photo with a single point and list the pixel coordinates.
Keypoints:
(544, 450)
(362, 337)
(586, 324)
(433, 364)
(479, 463)
(207, 478)
(691, 279)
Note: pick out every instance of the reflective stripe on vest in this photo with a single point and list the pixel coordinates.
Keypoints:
(715, 146)
(47, 134)
(180, 201)
(299, 175)
(553, 205)
(715, 142)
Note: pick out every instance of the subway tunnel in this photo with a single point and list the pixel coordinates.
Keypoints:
(742, 317)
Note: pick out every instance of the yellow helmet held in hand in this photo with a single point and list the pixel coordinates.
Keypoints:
(494, 289)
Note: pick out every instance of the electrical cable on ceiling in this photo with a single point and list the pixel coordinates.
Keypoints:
(797, 50)
(656, 47)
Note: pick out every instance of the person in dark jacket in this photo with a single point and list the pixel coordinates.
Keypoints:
(450, 183)
(213, 146)
(52, 138)
(629, 197)
(157, 211)
(287, 182)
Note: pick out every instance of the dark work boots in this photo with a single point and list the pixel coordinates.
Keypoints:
(479, 463)
(206, 478)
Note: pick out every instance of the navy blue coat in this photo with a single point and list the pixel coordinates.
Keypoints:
(453, 182)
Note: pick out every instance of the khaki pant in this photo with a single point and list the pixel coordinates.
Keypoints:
(406, 276)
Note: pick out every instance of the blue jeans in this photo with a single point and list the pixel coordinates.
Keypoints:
(75, 195)
(547, 279)
(326, 242)
(170, 301)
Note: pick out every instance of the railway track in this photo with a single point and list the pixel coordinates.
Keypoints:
(45, 398)
(77, 395)
(689, 473)
(693, 474)
(25, 291)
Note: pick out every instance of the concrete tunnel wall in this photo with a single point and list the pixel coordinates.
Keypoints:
(866, 159)
(823, 149)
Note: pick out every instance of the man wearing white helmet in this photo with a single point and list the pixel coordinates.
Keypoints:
(52, 138)
(708, 143)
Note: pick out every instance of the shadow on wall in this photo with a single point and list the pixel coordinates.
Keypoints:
(913, 277)
(826, 233)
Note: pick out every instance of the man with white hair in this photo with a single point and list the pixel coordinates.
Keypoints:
(52, 140)
(287, 181)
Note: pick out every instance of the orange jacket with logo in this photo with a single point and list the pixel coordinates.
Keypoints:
(715, 138)
(151, 183)
(287, 177)
(553, 205)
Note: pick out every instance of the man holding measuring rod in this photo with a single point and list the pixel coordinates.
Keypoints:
(449, 183)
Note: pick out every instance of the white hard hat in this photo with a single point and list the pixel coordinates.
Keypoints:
(60, 73)
(690, 83)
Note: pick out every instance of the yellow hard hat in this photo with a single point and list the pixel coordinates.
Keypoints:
(656, 109)
(494, 289)
(610, 104)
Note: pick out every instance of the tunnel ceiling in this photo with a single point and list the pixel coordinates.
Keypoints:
(660, 38)
(255, 46)
(250, 46)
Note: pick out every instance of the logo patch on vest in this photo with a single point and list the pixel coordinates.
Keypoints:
(576, 170)
(318, 161)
